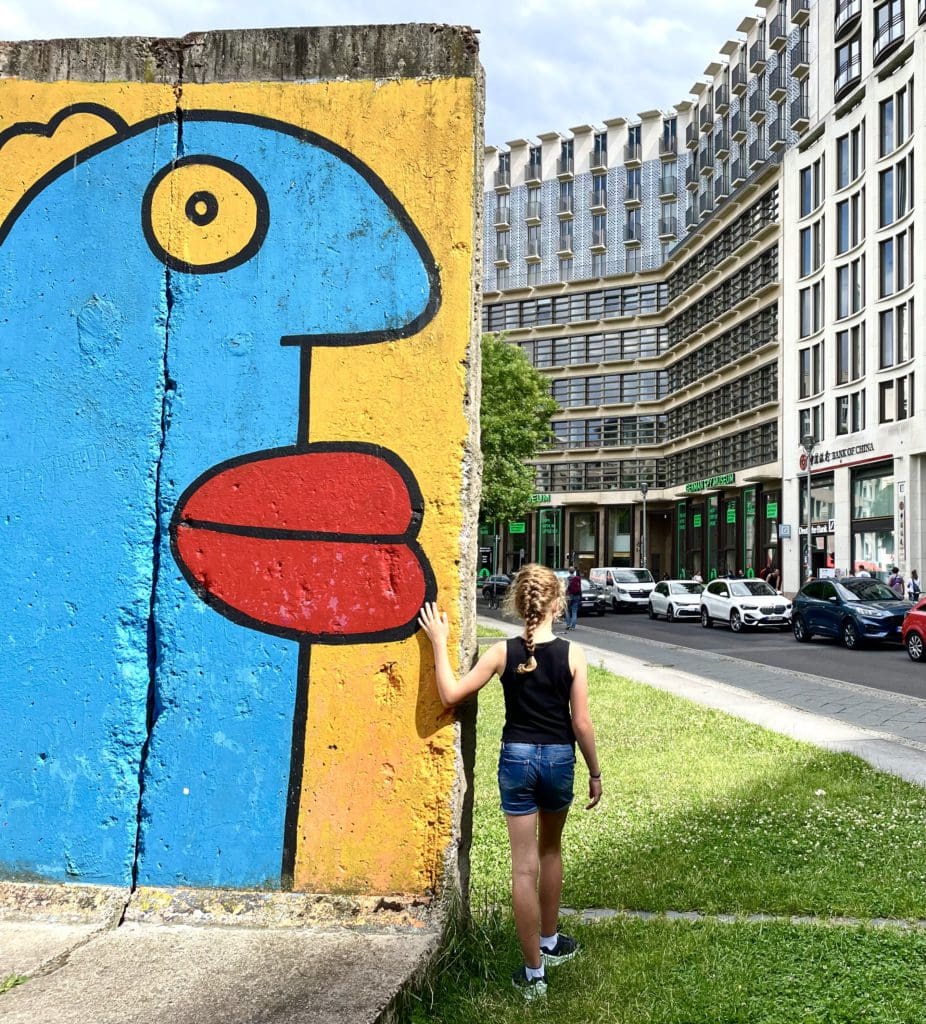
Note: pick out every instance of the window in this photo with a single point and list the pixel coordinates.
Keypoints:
(895, 399)
(502, 278)
(599, 268)
(850, 354)
(810, 421)
(889, 27)
(848, 65)
(811, 309)
(565, 236)
(811, 370)
(886, 126)
(565, 269)
(811, 186)
(850, 288)
(533, 273)
(533, 240)
(600, 152)
(886, 197)
(811, 239)
(850, 413)
(850, 156)
(566, 193)
(599, 190)
(850, 222)
(895, 263)
(633, 262)
(533, 201)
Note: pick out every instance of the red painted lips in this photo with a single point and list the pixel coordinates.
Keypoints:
(316, 543)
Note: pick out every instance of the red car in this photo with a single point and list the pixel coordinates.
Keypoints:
(913, 633)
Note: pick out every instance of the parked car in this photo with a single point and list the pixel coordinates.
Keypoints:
(495, 587)
(675, 599)
(913, 631)
(853, 609)
(594, 599)
(742, 604)
(626, 589)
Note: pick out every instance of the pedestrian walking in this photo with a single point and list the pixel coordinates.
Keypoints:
(913, 586)
(573, 598)
(895, 582)
(862, 571)
(545, 682)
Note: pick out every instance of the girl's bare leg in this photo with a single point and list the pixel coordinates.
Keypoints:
(522, 834)
(550, 851)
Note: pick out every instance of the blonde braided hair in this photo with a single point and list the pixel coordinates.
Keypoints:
(536, 589)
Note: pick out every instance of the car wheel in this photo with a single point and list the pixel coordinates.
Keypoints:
(706, 620)
(670, 614)
(615, 607)
(801, 632)
(600, 612)
(850, 635)
(915, 646)
(649, 610)
(736, 621)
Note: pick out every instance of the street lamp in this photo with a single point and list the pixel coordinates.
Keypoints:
(809, 444)
(644, 488)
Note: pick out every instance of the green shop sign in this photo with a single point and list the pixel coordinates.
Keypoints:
(731, 512)
(696, 520)
(712, 481)
(771, 510)
(540, 499)
(516, 527)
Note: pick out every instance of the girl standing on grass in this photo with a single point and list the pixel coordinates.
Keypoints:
(545, 680)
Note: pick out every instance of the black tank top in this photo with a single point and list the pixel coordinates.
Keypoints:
(537, 703)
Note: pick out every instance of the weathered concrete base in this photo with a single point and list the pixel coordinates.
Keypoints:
(95, 956)
(152, 974)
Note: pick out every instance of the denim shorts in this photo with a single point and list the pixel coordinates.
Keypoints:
(536, 776)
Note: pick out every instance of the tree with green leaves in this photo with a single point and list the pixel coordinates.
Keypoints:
(515, 419)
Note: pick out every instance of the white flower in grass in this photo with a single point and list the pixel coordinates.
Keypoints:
(819, 792)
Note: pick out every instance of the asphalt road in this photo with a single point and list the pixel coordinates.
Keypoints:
(881, 667)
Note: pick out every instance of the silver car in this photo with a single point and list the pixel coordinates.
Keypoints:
(675, 599)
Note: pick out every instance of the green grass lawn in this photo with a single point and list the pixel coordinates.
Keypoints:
(704, 812)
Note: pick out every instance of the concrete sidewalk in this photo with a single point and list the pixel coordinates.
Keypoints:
(94, 956)
(887, 730)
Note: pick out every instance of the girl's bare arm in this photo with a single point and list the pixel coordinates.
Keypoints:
(582, 722)
(452, 690)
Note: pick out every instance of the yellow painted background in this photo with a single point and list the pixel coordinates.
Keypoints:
(376, 811)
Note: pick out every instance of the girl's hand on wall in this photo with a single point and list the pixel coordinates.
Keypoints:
(434, 623)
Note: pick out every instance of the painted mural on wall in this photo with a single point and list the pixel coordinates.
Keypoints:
(214, 462)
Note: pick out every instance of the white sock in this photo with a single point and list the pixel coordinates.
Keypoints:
(548, 942)
(533, 972)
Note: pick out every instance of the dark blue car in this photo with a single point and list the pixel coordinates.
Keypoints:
(854, 610)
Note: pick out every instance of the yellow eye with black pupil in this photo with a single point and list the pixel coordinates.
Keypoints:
(203, 214)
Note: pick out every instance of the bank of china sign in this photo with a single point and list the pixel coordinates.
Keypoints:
(724, 480)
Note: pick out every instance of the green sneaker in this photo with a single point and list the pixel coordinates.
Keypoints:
(530, 988)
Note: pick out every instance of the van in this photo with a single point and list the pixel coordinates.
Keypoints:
(626, 589)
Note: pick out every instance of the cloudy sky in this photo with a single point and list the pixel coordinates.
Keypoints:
(550, 64)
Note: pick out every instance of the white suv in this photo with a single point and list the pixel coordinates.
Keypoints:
(744, 603)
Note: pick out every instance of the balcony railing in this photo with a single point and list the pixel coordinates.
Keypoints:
(533, 210)
(740, 78)
(757, 105)
(633, 194)
(738, 173)
(846, 76)
(777, 134)
(502, 253)
(800, 60)
(668, 185)
(721, 144)
(565, 243)
(706, 161)
(565, 205)
(707, 118)
(738, 125)
(800, 11)
(502, 214)
(668, 227)
(533, 250)
(757, 154)
(533, 172)
(633, 153)
(778, 33)
(691, 217)
(722, 99)
(757, 56)
(800, 116)
(669, 147)
(598, 198)
(778, 83)
(706, 203)
(598, 160)
(503, 179)
(847, 12)
(691, 135)
(691, 175)
(565, 166)
(889, 35)
(600, 238)
(721, 190)
(633, 233)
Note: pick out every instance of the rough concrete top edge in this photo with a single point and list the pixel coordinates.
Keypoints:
(273, 54)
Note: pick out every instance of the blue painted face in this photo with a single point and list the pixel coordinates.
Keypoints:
(138, 348)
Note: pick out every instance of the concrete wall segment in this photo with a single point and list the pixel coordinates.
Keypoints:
(373, 800)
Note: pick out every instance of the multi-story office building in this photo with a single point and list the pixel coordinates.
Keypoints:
(674, 277)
